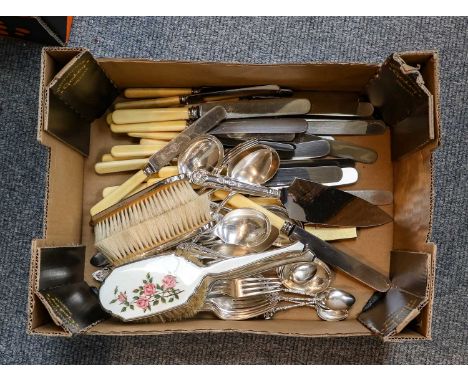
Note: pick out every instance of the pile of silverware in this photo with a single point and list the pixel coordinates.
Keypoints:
(272, 172)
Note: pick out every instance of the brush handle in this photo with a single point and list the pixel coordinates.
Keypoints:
(156, 92)
(205, 179)
(150, 127)
(132, 151)
(120, 165)
(149, 103)
(164, 136)
(121, 192)
(259, 262)
(150, 115)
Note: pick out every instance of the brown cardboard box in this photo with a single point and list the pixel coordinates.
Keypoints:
(75, 92)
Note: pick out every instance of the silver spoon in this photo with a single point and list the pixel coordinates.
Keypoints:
(256, 165)
(309, 278)
(331, 304)
(244, 226)
(205, 152)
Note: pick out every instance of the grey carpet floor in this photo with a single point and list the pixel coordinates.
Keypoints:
(23, 162)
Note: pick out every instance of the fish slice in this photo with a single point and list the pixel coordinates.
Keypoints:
(306, 201)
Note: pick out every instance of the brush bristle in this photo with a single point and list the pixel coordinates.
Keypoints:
(157, 218)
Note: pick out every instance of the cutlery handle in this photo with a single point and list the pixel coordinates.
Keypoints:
(151, 141)
(106, 191)
(156, 92)
(160, 136)
(132, 151)
(118, 194)
(150, 115)
(240, 201)
(204, 179)
(148, 103)
(149, 127)
(259, 262)
(120, 165)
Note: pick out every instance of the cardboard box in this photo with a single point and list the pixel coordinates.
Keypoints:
(76, 90)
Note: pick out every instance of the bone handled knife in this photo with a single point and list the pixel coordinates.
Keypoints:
(240, 109)
(208, 96)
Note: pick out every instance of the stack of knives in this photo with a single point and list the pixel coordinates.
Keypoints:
(300, 126)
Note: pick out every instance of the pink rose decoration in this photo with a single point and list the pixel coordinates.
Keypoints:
(142, 302)
(169, 281)
(149, 289)
(122, 297)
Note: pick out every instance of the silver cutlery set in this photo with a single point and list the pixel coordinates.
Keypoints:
(267, 180)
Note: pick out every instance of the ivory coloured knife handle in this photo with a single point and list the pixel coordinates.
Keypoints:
(135, 151)
(146, 141)
(150, 127)
(150, 115)
(110, 158)
(109, 119)
(163, 136)
(120, 165)
(332, 233)
(156, 92)
(167, 171)
(107, 190)
(148, 103)
(119, 193)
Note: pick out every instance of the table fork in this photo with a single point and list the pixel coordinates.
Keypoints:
(252, 286)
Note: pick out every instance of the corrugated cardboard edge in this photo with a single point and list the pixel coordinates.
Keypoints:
(33, 273)
(51, 33)
(432, 248)
(40, 242)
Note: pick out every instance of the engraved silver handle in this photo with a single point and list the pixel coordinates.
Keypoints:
(205, 179)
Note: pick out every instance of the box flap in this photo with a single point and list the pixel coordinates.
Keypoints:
(60, 286)
(404, 102)
(79, 93)
(389, 313)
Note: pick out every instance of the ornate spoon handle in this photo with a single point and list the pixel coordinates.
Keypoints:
(203, 178)
(269, 315)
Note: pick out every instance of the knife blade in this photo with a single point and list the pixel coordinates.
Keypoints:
(350, 176)
(300, 125)
(306, 201)
(322, 174)
(342, 149)
(262, 126)
(190, 99)
(240, 109)
(340, 162)
(292, 151)
(345, 127)
(336, 258)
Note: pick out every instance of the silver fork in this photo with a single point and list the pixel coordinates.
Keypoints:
(251, 287)
(228, 308)
(246, 287)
